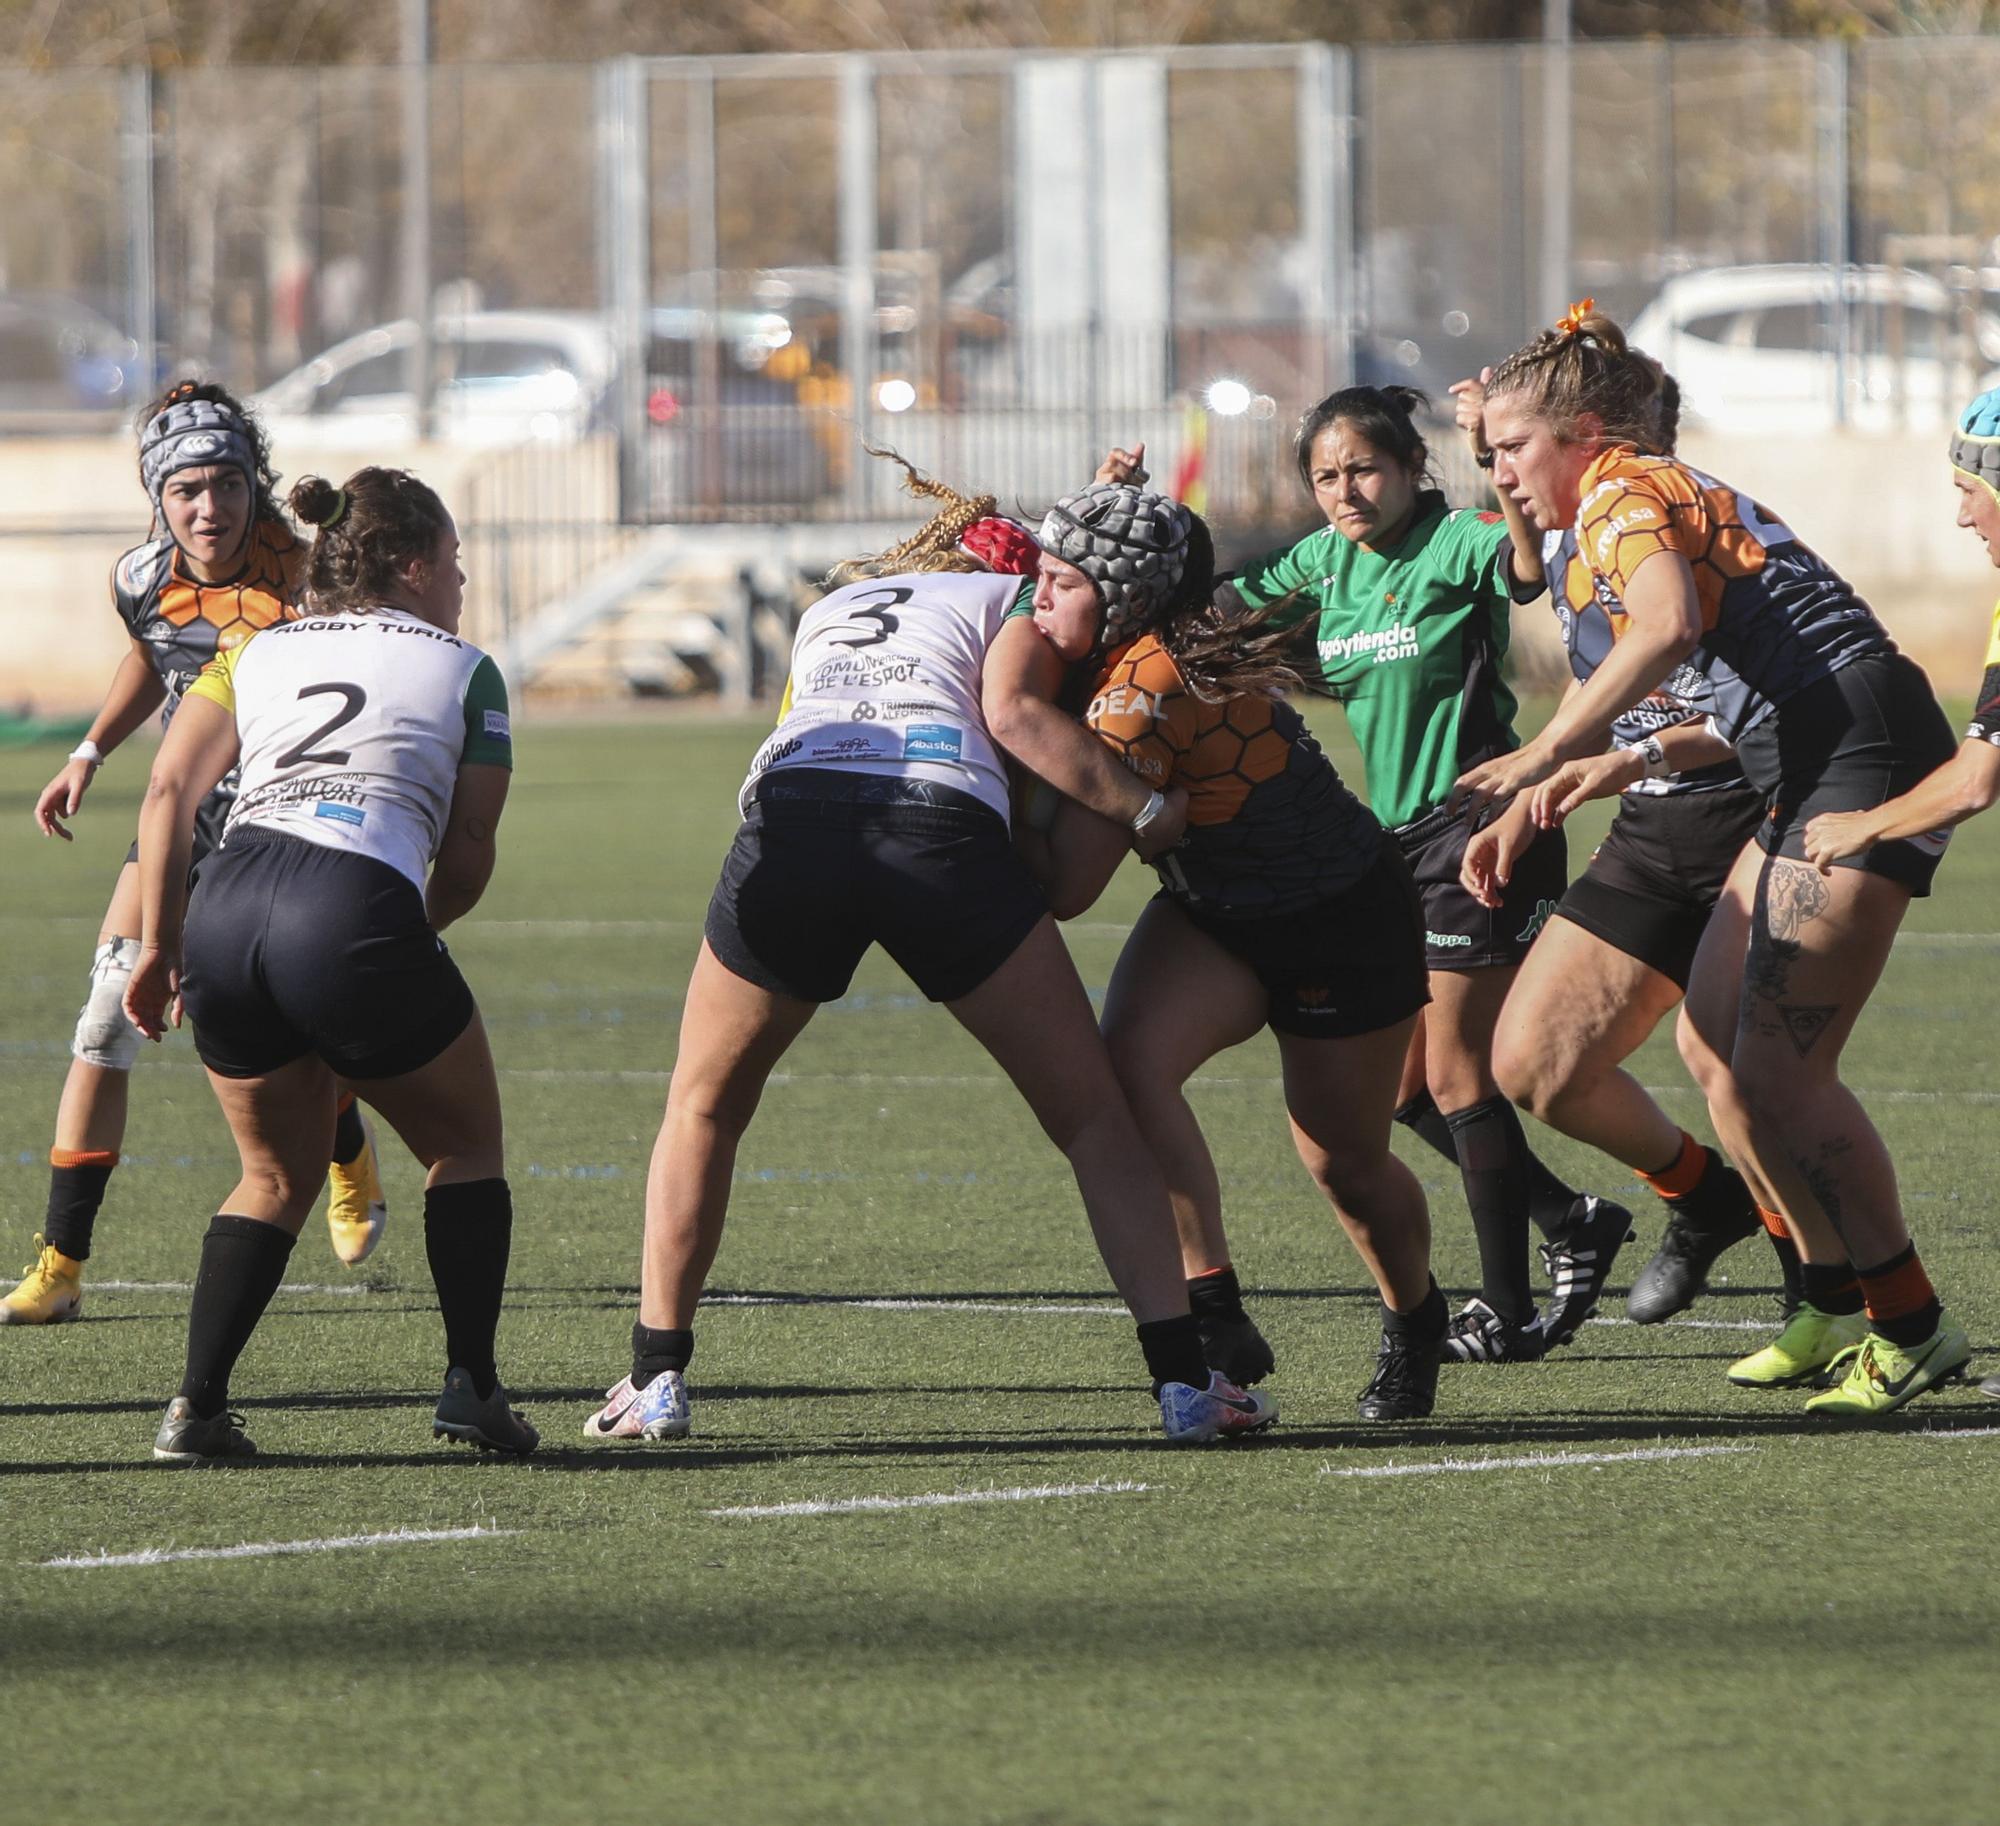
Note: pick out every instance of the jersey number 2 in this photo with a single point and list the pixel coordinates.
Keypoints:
(304, 753)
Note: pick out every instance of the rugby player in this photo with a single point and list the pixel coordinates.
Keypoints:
(375, 752)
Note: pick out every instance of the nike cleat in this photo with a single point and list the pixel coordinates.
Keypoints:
(1192, 1417)
(1579, 1263)
(1405, 1383)
(657, 1411)
(1673, 1280)
(491, 1424)
(185, 1438)
(1236, 1348)
(50, 1293)
(356, 1209)
(1479, 1335)
(1881, 1375)
(1802, 1353)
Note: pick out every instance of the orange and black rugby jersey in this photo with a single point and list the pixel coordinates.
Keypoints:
(1271, 828)
(184, 624)
(1776, 617)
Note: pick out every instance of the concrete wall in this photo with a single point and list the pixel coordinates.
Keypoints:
(1879, 508)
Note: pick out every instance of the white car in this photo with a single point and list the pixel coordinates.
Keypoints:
(498, 377)
(1752, 347)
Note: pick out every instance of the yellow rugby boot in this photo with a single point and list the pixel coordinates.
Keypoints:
(50, 1293)
(1882, 1375)
(355, 1207)
(1802, 1352)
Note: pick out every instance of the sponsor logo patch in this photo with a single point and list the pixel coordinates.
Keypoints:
(340, 814)
(1448, 941)
(498, 727)
(932, 742)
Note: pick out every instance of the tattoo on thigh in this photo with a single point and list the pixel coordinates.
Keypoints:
(1806, 1022)
(1789, 896)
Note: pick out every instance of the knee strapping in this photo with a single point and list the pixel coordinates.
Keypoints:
(104, 1037)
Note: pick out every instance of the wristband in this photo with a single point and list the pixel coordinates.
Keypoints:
(1654, 756)
(87, 750)
(1151, 810)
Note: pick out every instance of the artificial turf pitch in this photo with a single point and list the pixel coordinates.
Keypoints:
(1776, 1621)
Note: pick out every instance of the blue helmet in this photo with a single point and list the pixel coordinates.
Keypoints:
(1975, 446)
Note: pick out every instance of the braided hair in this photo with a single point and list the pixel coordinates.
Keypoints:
(934, 546)
(1584, 365)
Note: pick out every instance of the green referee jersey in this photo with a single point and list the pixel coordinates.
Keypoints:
(1410, 640)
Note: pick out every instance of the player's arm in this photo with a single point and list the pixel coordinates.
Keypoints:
(1017, 694)
(466, 857)
(199, 749)
(1962, 788)
(1524, 573)
(136, 692)
(1083, 853)
(1663, 626)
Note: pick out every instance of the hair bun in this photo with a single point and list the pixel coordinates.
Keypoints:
(316, 501)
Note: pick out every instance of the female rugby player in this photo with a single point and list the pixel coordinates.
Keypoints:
(1614, 958)
(877, 812)
(222, 564)
(1409, 607)
(1710, 598)
(1285, 905)
(374, 745)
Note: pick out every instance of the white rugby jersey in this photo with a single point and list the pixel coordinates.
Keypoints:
(353, 728)
(885, 680)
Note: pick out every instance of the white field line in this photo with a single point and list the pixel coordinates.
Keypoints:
(1529, 1461)
(872, 1505)
(1942, 1433)
(264, 1550)
(345, 1287)
(1771, 1324)
(1103, 1310)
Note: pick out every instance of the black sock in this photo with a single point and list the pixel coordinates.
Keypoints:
(1216, 1295)
(1791, 1269)
(349, 1137)
(1550, 1201)
(1173, 1351)
(1422, 1117)
(1832, 1287)
(1718, 1203)
(75, 1193)
(467, 1231)
(1492, 1163)
(654, 1349)
(242, 1262)
(1425, 1321)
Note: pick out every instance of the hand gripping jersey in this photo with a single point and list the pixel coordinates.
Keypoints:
(1271, 828)
(353, 728)
(183, 624)
(886, 678)
(1650, 714)
(1775, 616)
(1410, 640)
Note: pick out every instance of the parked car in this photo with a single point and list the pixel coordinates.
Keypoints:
(1752, 347)
(499, 377)
(57, 355)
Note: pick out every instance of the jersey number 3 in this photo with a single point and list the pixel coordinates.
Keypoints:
(881, 603)
(303, 754)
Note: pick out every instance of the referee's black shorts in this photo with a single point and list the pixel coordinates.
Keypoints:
(296, 948)
(828, 863)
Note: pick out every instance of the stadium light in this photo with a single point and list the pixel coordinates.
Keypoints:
(895, 396)
(1228, 398)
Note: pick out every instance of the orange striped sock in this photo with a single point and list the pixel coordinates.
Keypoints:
(1683, 1174)
(1774, 1223)
(83, 1157)
(1902, 1304)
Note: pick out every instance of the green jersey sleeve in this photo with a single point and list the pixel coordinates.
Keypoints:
(1024, 604)
(1284, 578)
(489, 736)
(1476, 542)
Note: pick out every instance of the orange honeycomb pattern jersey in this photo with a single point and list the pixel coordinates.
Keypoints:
(183, 624)
(1775, 616)
(1271, 828)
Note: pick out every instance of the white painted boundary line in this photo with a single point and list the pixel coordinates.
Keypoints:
(1529, 1461)
(1771, 1325)
(264, 1550)
(1104, 1310)
(344, 1287)
(872, 1505)
(1943, 1433)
